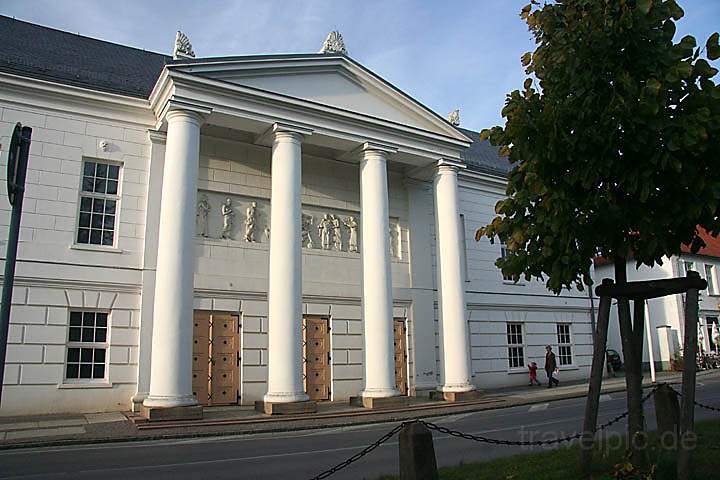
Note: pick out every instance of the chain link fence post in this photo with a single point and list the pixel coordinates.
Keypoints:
(417, 453)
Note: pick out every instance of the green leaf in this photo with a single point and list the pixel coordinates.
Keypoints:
(644, 6)
(713, 46)
(528, 83)
(526, 59)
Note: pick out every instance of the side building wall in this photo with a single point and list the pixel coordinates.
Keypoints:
(55, 276)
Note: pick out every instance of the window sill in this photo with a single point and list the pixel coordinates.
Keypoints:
(569, 367)
(517, 371)
(95, 248)
(514, 284)
(71, 386)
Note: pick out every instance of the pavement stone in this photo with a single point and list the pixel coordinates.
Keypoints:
(44, 432)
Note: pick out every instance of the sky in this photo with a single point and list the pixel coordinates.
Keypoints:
(446, 54)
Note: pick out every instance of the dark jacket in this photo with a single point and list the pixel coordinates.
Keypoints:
(550, 362)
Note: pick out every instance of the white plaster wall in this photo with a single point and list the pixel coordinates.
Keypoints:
(53, 275)
(492, 302)
(34, 373)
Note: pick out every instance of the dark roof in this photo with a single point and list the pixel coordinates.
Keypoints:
(483, 157)
(48, 54)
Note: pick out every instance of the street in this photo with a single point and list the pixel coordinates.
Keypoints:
(299, 455)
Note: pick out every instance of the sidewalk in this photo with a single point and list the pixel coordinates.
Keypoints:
(50, 430)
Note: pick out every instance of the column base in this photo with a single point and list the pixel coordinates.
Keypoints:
(186, 412)
(379, 403)
(456, 396)
(286, 408)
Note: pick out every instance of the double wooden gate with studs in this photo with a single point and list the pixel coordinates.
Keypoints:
(216, 358)
(401, 371)
(316, 357)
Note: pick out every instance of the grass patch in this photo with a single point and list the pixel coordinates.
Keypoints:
(563, 463)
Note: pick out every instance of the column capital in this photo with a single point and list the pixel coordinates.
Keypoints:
(449, 166)
(156, 136)
(176, 109)
(279, 130)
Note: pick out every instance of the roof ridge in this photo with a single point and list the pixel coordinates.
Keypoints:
(83, 36)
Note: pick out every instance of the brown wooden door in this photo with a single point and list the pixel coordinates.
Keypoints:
(401, 376)
(224, 348)
(216, 347)
(316, 336)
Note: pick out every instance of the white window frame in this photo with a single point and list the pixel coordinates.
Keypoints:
(512, 347)
(105, 196)
(87, 345)
(709, 271)
(561, 344)
(709, 320)
(503, 254)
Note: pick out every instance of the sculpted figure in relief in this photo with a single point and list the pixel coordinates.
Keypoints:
(337, 233)
(324, 230)
(394, 241)
(203, 209)
(352, 226)
(305, 237)
(227, 213)
(250, 222)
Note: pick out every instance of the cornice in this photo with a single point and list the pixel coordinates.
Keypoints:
(81, 97)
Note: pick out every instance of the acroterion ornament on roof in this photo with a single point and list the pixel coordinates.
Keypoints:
(334, 43)
(454, 118)
(183, 47)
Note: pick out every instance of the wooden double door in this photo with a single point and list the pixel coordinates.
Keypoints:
(316, 357)
(400, 341)
(216, 358)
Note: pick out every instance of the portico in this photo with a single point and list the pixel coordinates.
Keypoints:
(224, 95)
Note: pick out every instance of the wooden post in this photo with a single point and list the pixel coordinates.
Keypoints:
(687, 418)
(417, 454)
(596, 373)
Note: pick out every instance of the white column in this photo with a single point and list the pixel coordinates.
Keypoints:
(377, 301)
(171, 365)
(451, 289)
(285, 383)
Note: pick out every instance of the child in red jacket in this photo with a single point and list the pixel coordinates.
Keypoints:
(533, 374)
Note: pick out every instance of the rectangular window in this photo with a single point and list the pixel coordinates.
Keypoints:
(709, 322)
(503, 254)
(98, 203)
(710, 277)
(688, 266)
(564, 344)
(516, 347)
(464, 247)
(87, 346)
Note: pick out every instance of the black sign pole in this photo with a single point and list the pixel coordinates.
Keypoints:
(17, 167)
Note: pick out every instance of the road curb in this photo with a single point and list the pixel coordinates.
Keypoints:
(286, 425)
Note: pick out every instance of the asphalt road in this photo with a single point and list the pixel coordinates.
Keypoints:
(300, 455)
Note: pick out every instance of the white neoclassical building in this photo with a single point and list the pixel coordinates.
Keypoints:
(283, 229)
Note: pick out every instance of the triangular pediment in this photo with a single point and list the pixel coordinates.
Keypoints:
(333, 81)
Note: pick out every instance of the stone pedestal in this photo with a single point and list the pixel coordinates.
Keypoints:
(287, 408)
(417, 453)
(190, 412)
(379, 403)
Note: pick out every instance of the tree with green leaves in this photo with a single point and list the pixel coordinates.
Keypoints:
(615, 143)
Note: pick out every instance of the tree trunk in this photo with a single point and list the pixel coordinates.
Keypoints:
(632, 353)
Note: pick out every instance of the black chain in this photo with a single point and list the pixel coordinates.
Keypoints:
(467, 436)
(701, 405)
(363, 452)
